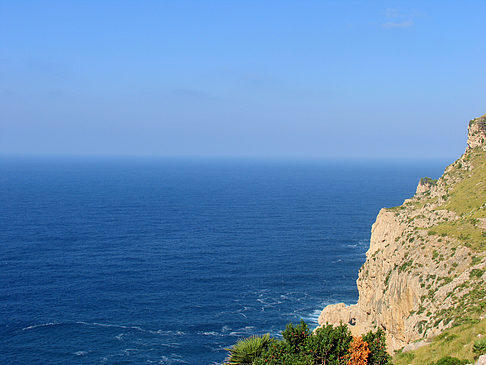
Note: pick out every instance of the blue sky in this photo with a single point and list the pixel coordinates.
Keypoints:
(317, 79)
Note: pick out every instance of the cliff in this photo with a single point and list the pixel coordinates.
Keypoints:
(425, 269)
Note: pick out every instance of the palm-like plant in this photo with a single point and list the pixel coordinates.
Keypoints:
(248, 349)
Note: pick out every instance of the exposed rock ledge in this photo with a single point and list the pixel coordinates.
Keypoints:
(377, 306)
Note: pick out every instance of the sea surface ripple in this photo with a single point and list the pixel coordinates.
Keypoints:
(140, 261)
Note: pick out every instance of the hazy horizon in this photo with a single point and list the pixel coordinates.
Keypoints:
(223, 158)
(274, 79)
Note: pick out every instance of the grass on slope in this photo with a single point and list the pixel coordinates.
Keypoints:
(466, 230)
(457, 342)
(469, 195)
(468, 200)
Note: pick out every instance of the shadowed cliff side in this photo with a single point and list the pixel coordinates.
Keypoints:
(425, 269)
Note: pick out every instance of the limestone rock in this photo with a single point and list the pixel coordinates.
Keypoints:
(421, 273)
(414, 346)
(424, 185)
(481, 360)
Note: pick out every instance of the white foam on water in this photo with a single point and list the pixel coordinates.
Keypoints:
(247, 330)
(210, 333)
(137, 328)
(81, 353)
(171, 360)
(128, 352)
(167, 332)
(40, 325)
(107, 325)
(164, 360)
(312, 317)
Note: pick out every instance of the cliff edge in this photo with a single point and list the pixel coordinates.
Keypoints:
(425, 269)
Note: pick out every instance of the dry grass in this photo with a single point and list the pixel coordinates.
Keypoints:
(456, 342)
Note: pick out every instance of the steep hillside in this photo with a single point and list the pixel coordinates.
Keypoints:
(425, 269)
(458, 342)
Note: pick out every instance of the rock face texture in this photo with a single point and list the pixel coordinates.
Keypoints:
(426, 265)
(477, 132)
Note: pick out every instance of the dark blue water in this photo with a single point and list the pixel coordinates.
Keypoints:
(168, 262)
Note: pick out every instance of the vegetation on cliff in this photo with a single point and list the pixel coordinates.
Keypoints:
(299, 346)
(446, 225)
(461, 342)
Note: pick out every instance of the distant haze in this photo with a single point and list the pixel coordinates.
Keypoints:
(300, 79)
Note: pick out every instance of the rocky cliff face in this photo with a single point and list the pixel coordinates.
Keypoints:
(425, 269)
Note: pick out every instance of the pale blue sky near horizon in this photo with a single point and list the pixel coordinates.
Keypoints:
(297, 79)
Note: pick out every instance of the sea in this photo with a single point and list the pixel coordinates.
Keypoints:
(171, 261)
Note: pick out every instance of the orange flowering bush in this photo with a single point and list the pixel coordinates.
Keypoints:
(359, 352)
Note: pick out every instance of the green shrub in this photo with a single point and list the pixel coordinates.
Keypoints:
(475, 260)
(296, 336)
(428, 181)
(479, 347)
(330, 345)
(248, 349)
(476, 273)
(377, 345)
(278, 352)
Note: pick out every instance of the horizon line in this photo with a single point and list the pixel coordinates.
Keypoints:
(224, 157)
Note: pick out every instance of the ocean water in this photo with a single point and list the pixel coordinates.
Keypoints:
(145, 261)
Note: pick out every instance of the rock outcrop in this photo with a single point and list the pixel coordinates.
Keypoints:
(424, 185)
(425, 269)
(477, 133)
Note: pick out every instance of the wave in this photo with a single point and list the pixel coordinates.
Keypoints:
(81, 353)
(109, 325)
(40, 325)
(312, 317)
(210, 333)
